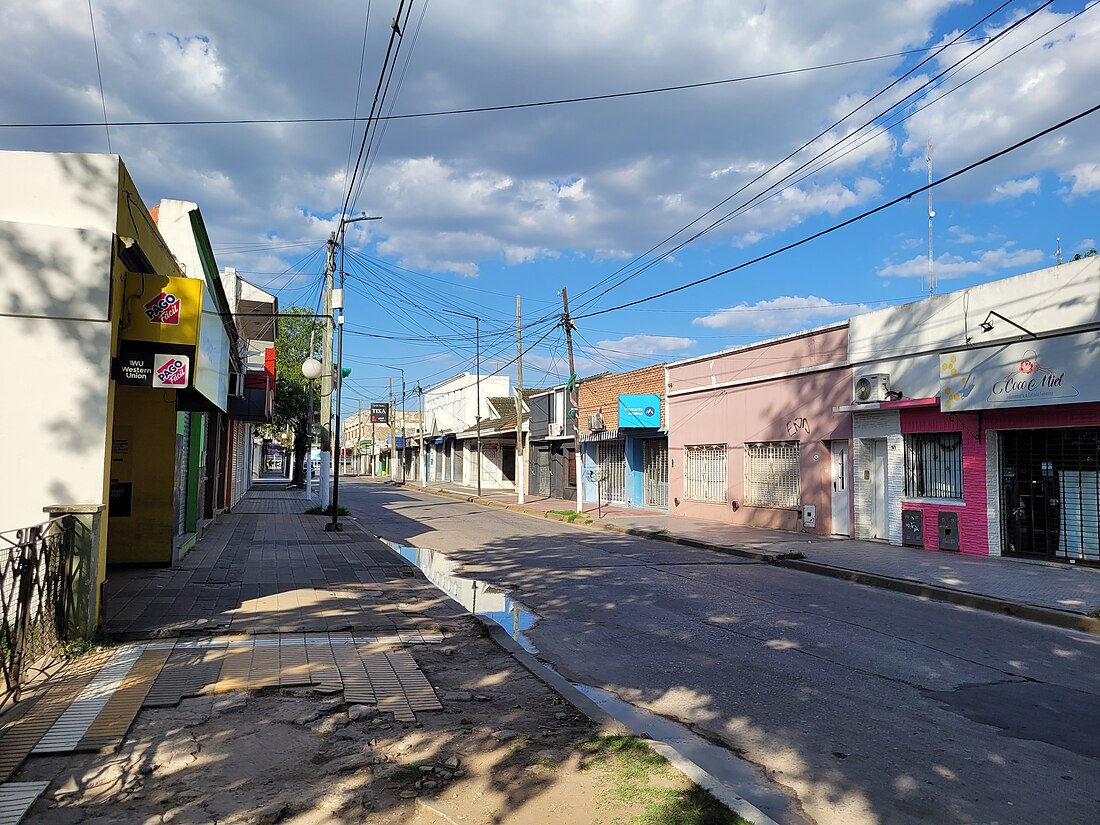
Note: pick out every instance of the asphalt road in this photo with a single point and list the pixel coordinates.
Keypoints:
(869, 706)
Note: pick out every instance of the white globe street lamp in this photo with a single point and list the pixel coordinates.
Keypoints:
(311, 369)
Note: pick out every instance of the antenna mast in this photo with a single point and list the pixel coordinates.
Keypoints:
(931, 215)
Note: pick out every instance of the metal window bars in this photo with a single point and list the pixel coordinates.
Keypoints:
(933, 465)
(706, 473)
(775, 478)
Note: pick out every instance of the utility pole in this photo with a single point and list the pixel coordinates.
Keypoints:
(326, 378)
(389, 424)
(520, 464)
(358, 464)
(573, 411)
(404, 436)
(422, 459)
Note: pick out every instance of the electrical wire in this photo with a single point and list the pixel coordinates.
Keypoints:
(626, 268)
(835, 227)
(486, 109)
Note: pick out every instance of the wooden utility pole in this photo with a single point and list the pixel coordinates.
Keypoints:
(572, 409)
(393, 443)
(520, 464)
(422, 459)
(326, 379)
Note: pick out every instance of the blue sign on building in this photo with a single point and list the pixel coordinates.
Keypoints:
(640, 411)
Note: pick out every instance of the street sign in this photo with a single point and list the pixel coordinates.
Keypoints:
(379, 413)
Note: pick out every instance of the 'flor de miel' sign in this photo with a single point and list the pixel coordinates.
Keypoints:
(1033, 373)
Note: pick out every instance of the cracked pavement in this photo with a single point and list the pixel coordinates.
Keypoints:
(868, 706)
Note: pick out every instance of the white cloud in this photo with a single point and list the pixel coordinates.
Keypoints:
(780, 314)
(953, 266)
(1015, 188)
(646, 344)
(1086, 178)
(1036, 87)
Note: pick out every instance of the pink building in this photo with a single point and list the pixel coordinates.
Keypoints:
(755, 435)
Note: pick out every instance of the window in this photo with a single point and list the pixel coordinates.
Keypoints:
(774, 474)
(705, 473)
(933, 465)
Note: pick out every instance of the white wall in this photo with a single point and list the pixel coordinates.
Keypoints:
(452, 406)
(905, 341)
(55, 334)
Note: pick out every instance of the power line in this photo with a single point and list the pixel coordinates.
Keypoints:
(850, 221)
(748, 204)
(485, 109)
(99, 73)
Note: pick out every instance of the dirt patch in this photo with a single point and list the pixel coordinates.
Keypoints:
(505, 749)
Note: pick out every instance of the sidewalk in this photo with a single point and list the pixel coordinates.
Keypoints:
(282, 673)
(1048, 592)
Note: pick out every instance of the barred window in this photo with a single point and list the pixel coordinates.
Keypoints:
(774, 474)
(705, 473)
(933, 465)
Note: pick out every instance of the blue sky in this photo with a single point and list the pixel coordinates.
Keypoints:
(478, 208)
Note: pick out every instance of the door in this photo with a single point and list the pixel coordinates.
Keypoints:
(1050, 493)
(611, 458)
(655, 472)
(540, 471)
(877, 481)
(508, 463)
(842, 522)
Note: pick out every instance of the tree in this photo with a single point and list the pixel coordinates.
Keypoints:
(299, 338)
(1091, 253)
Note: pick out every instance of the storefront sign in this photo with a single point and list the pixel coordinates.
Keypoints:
(1027, 374)
(162, 310)
(380, 413)
(150, 369)
(640, 411)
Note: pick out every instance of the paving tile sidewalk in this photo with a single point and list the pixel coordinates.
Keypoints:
(268, 568)
(1044, 585)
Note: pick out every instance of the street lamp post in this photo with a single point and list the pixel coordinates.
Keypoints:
(477, 416)
(335, 526)
(311, 370)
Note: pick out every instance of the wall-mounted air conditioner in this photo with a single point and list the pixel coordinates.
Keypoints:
(595, 423)
(556, 428)
(872, 387)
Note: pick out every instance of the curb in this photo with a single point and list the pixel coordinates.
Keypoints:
(1063, 619)
(610, 725)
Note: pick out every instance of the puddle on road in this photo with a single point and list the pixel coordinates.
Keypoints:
(741, 778)
(478, 597)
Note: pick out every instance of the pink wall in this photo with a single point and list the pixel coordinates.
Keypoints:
(973, 517)
(793, 408)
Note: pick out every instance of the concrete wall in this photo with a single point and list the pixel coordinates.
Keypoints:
(452, 406)
(783, 390)
(905, 341)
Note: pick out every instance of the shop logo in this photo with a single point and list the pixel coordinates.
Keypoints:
(172, 373)
(163, 309)
(1032, 380)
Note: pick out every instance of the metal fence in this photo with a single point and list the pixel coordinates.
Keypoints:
(34, 591)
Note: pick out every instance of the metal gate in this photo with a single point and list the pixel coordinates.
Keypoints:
(459, 461)
(540, 471)
(655, 472)
(1050, 493)
(611, 458)
(35, 585)
(183, 456)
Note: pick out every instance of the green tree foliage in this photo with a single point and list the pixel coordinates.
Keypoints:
(292, 390)
(1091, 253)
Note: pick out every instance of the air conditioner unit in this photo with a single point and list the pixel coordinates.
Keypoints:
(595, 423)
(236, 384)
(556, 428)
(872, 387)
